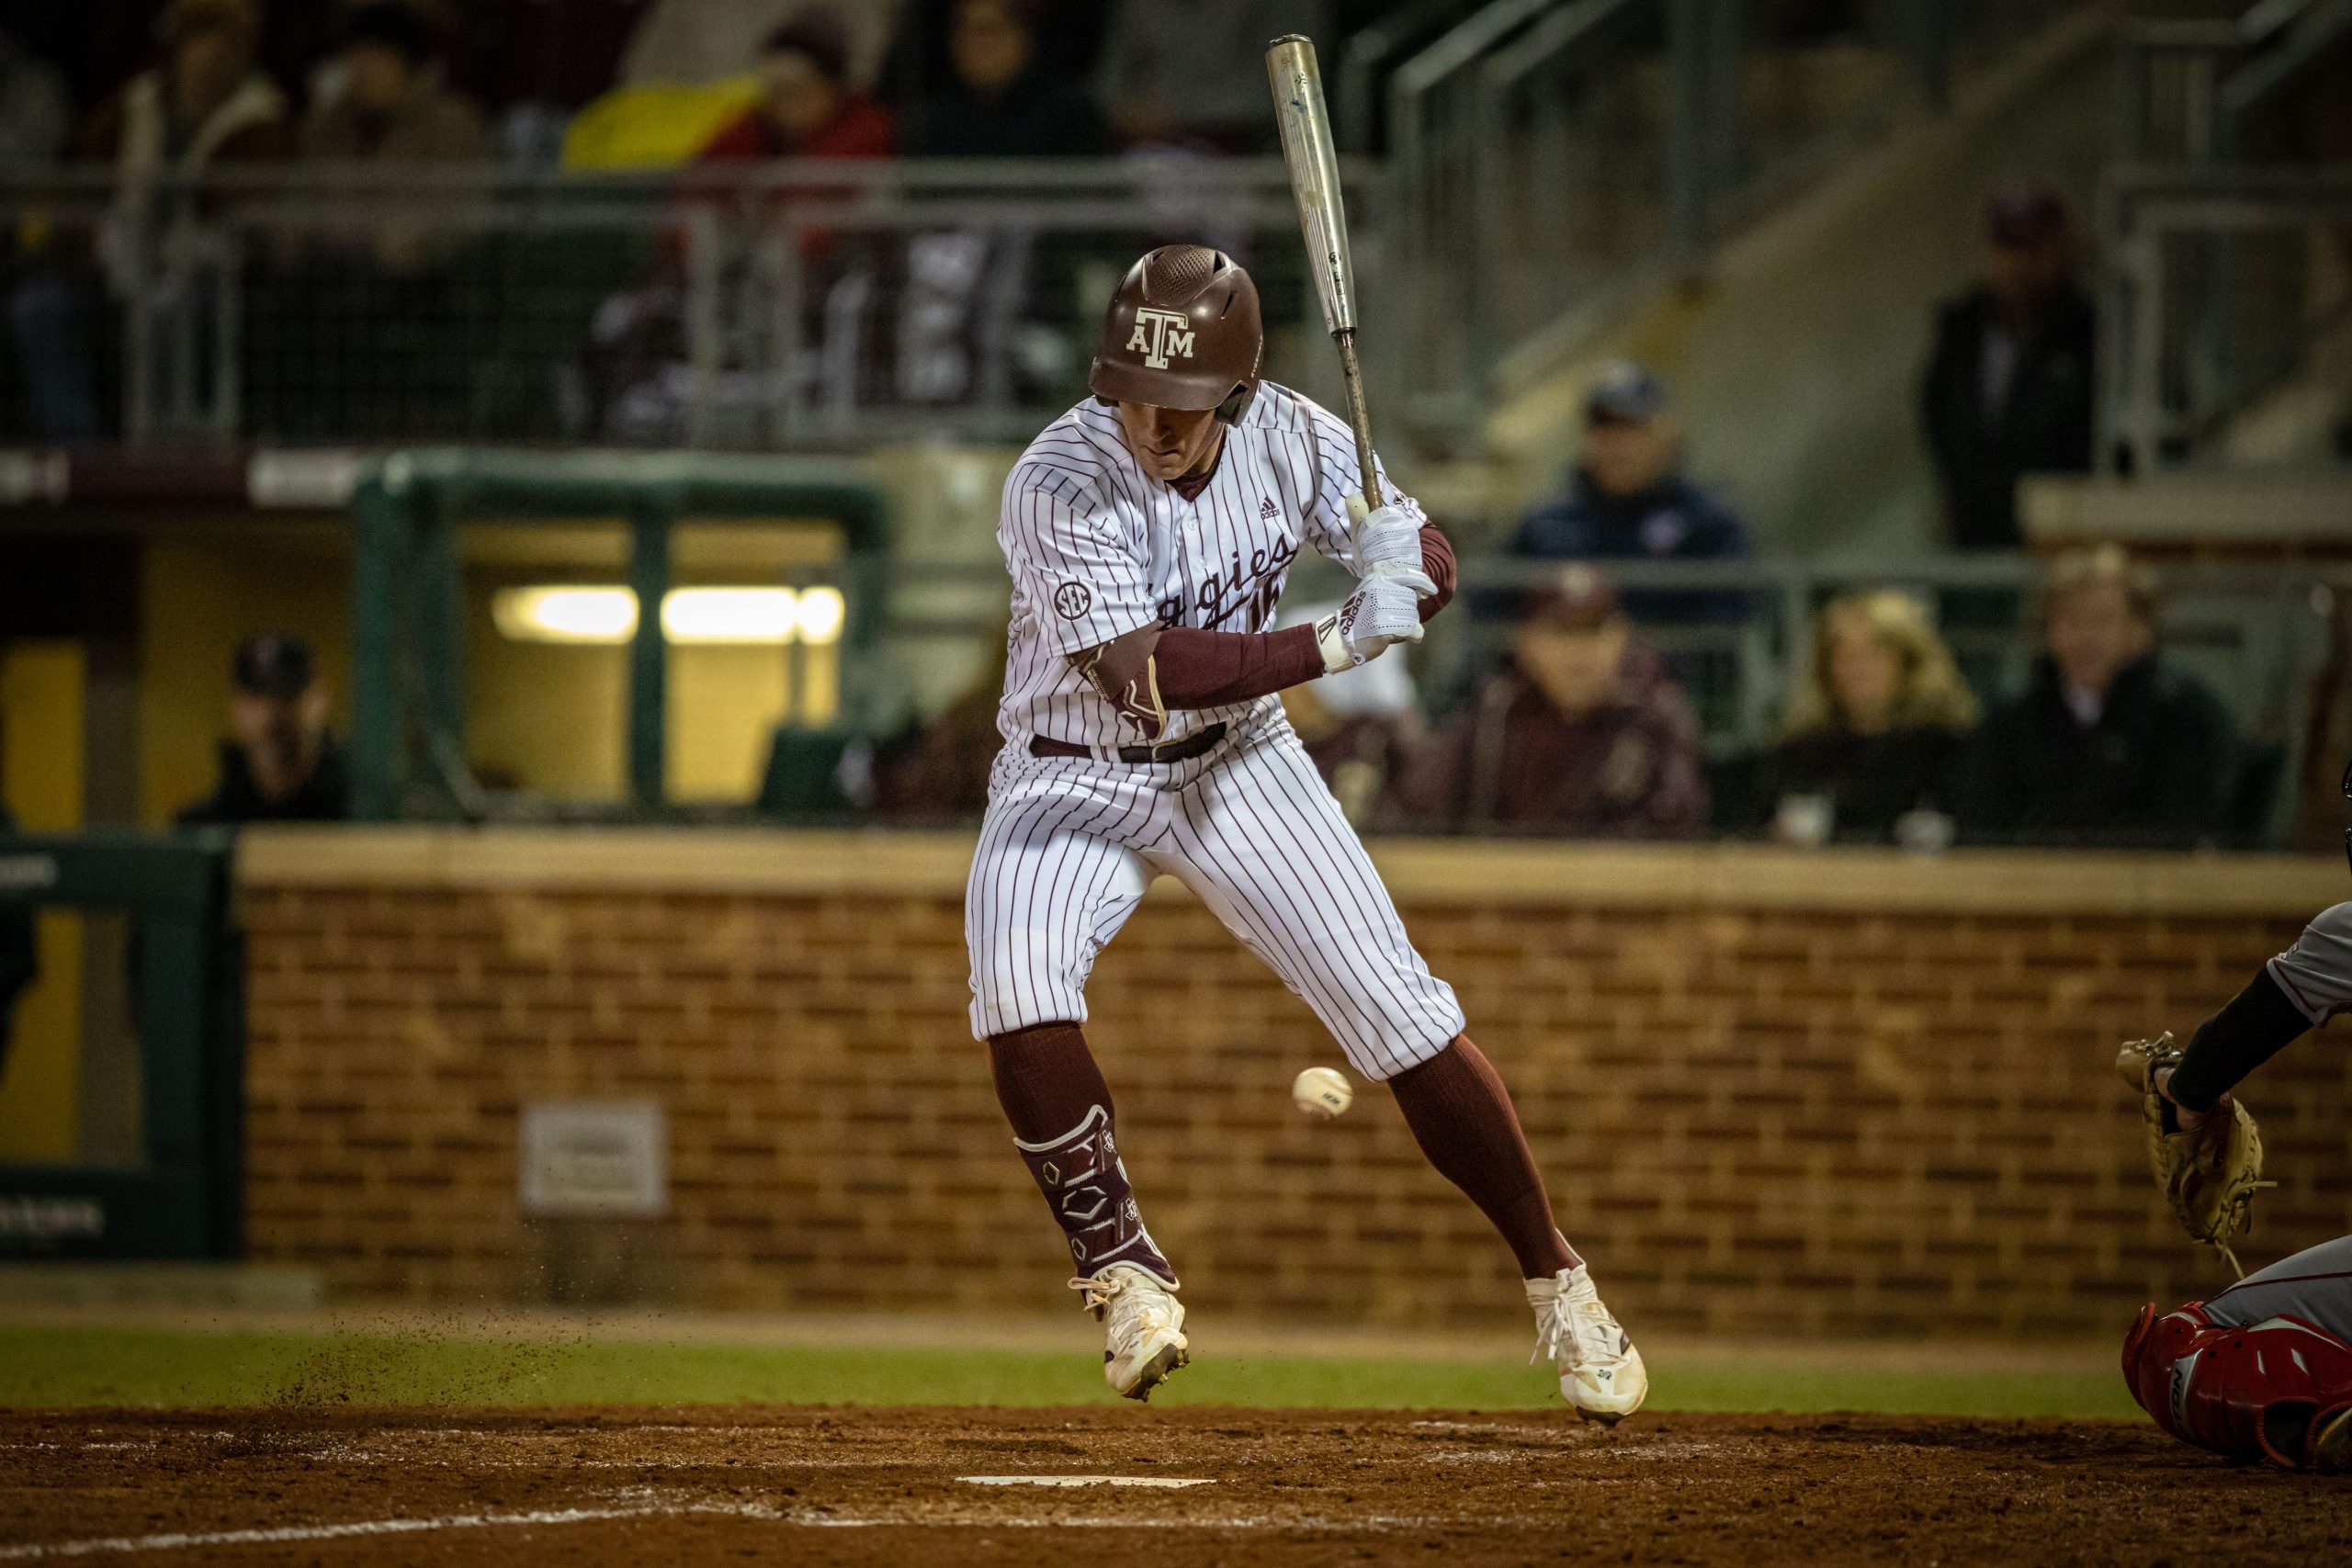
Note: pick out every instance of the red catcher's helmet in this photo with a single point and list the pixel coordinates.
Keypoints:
(1182, 333)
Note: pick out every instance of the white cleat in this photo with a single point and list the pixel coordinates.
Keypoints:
(1602, 1375)
(1145, 1328)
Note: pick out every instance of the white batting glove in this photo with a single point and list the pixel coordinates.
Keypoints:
(1382, 611)
(1388, 544)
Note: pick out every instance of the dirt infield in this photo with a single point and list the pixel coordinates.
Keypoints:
(950, 1486)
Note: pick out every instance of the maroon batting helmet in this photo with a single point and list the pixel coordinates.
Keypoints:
(1182, 333)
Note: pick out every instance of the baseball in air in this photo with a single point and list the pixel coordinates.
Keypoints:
(1321, 1093)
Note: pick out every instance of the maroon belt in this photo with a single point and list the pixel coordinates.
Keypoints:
(1183, 751)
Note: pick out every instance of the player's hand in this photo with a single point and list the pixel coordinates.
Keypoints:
(1388, 544)
(1382, 611)
(2190, 1121)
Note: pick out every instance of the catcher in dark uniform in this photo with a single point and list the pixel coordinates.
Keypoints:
(2264, 1370)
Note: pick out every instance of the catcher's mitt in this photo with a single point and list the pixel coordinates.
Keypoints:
(2209, 1175)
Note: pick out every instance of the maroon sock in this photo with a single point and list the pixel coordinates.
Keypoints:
(1461, 1115)
(1061, 1114)
(1047, 1080)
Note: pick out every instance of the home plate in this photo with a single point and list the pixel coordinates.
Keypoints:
(1167, 1481)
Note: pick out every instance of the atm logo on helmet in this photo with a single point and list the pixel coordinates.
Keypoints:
(1160, 334)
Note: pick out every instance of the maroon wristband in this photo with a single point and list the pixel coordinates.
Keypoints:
(1437, 559)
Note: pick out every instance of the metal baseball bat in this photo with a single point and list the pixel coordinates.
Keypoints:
(1313, 167)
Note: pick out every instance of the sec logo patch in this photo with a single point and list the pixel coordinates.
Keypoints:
(1072, 600)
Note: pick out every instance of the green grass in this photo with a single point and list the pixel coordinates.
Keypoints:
(52, 1368)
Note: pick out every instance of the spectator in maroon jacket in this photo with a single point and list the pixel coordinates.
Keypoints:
(807, 107)
(1582, 735)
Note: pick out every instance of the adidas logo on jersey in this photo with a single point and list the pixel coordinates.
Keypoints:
(1266, 508)
(1160, 334)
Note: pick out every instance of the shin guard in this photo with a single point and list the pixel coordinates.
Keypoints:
(1086, 1184)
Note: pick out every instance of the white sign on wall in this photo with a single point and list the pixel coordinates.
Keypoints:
(584, 1160)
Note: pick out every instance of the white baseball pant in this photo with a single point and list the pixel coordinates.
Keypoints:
(1069, 844)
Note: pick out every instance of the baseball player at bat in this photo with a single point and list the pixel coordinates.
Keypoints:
(2264, 1370)
(1148, 532)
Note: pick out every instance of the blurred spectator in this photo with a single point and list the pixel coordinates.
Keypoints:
(1583, 735)
(964, 291)
(1877, 730)
(378, 296)
(36, 108)
(998, 102)
(1358, 727)
(2108, 745)
(1068, 39)
(292, 37)
(282, 765)
(390, 104)
(1194, 71)
(203, 104)
(1627, 501)
(19, 961)
(708, 40)
(207, 103)
(807, 107)
(2007, 389)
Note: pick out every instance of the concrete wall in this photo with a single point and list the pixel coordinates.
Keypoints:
(1775, 1093)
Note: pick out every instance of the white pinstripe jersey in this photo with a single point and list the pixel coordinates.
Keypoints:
(1098, 548)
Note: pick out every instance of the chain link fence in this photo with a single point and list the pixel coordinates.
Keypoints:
(792, 304)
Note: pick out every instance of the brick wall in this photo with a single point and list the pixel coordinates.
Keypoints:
(1757, 1120)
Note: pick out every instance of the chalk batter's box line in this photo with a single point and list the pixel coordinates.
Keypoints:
(286, 1534)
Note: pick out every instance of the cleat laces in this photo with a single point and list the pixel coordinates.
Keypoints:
(1553, 1338)
(1123, 1298)
(1574, 1327)
(1096, 1291)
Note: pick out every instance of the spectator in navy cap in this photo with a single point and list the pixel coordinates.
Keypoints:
(1627, 500)
(281, 765)
(2007, 388)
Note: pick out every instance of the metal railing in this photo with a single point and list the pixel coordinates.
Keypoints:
(1738, 635)
(772, 306)
(1551, 158)
(2222, 285)
(2190, 90)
